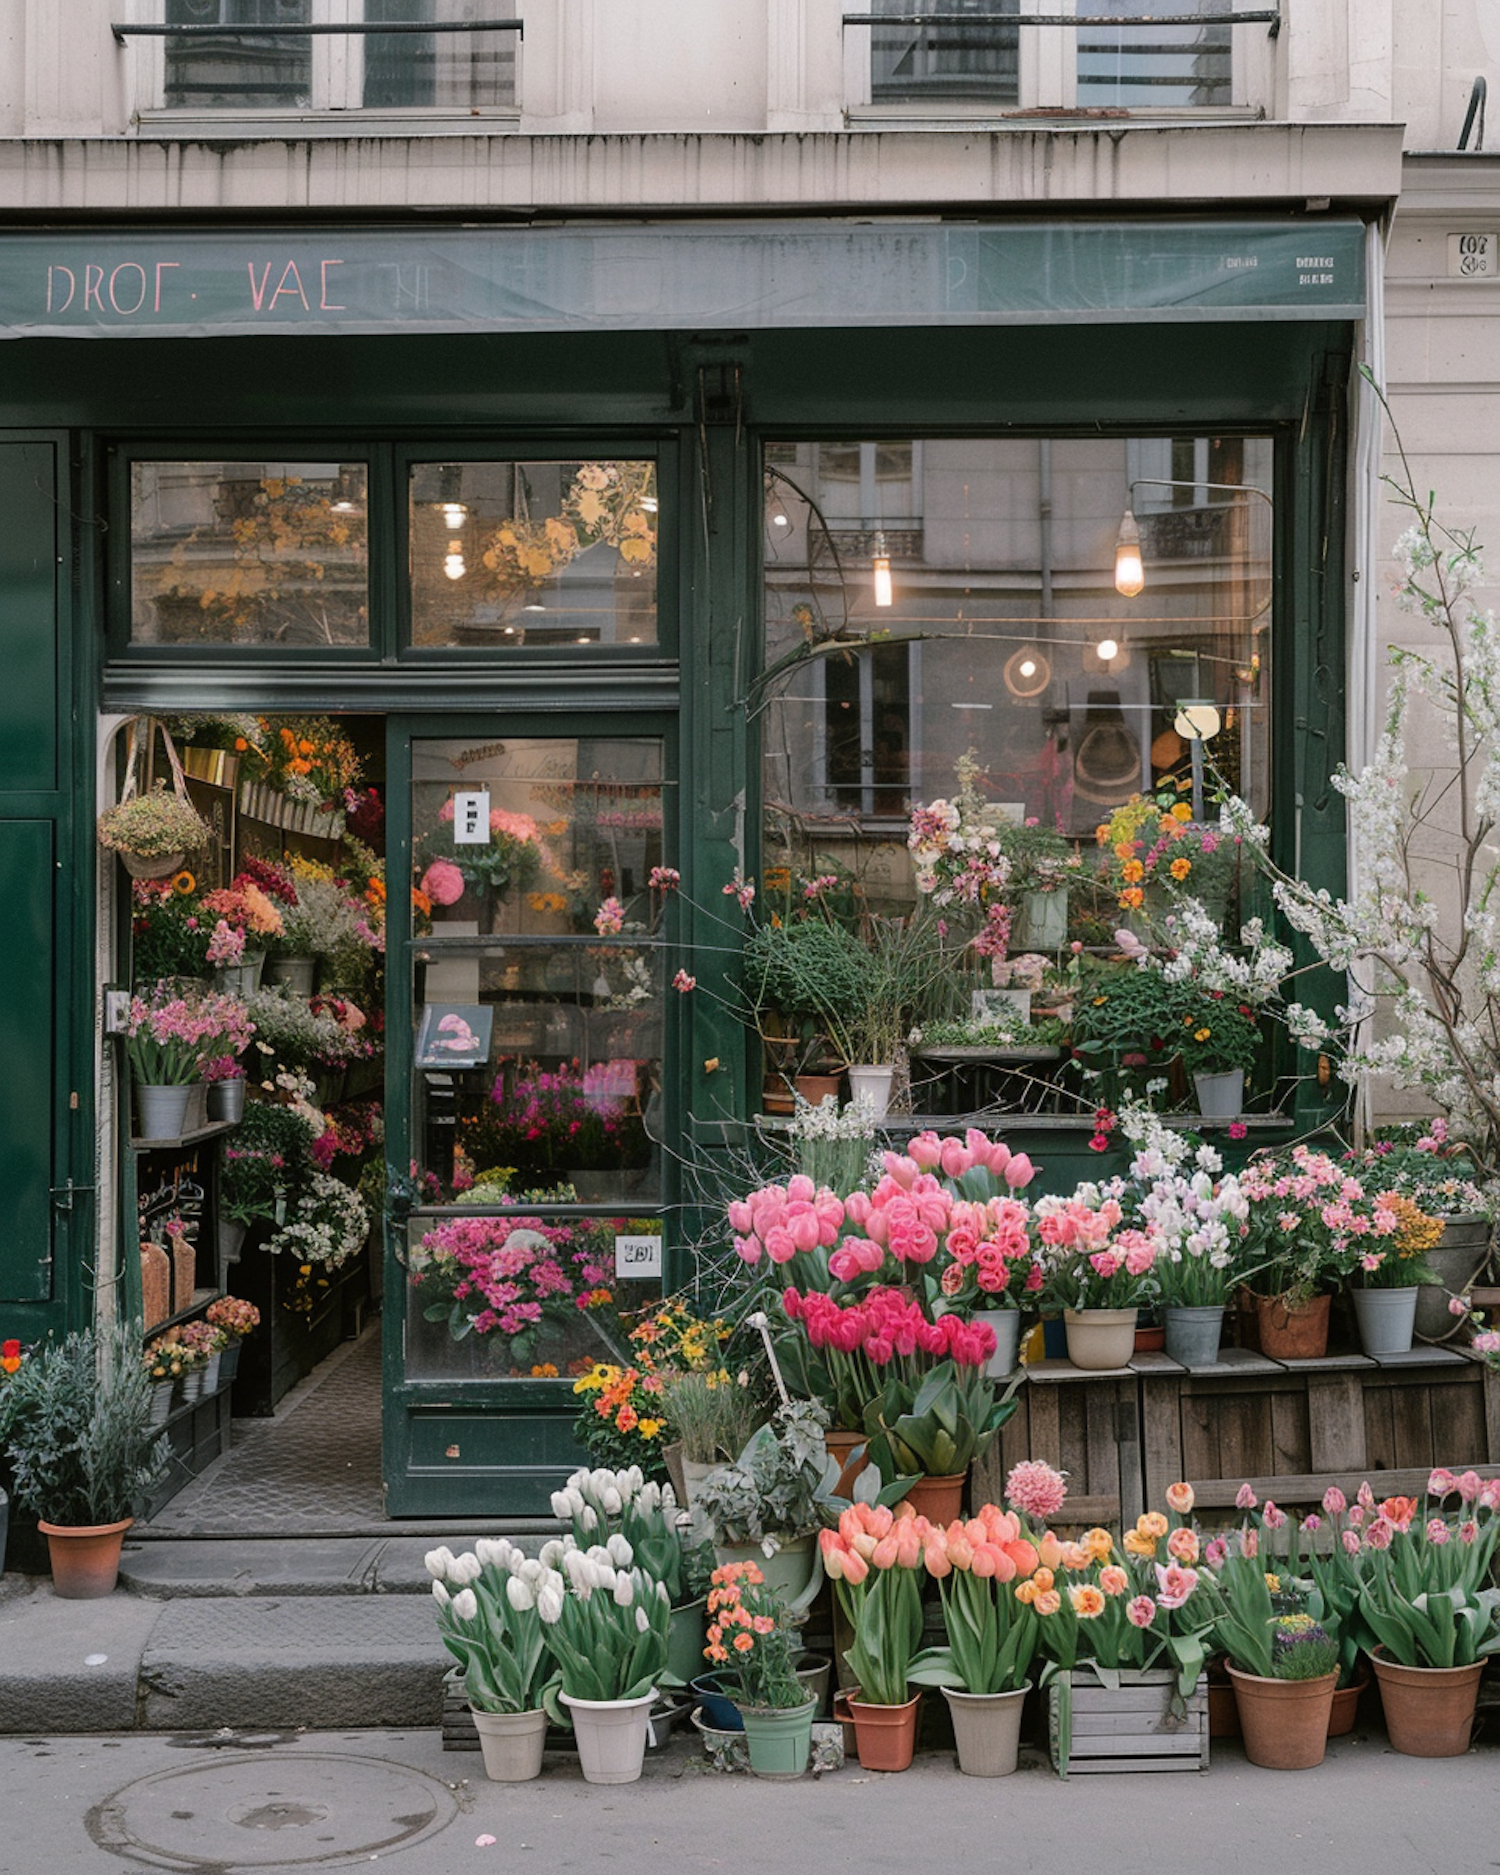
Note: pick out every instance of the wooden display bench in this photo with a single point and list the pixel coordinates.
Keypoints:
(197, 1434)
(289, 1344)
(1288, 1428)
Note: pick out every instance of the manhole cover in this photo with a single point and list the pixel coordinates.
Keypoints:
(282, 1812)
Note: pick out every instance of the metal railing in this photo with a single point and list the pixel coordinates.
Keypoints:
(124, 30)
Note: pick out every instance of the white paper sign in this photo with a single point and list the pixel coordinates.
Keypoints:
(471, 817)
(638, 1256)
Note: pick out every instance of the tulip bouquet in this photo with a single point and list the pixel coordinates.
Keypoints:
(750, 1634)
(982, 1567)
(873, 1559)
(1093, 1259)
(604, 1620)
(601, 1504)
(487, 1615)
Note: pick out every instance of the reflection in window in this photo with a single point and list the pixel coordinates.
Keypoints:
(533, 553)
(946, 59)
(249, 553)
(1140, 67)
(541, 906)
(1006, 634)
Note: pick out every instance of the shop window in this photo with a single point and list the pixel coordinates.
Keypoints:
(249, 553)
(505, 554)
(233, 70)
(1005, 634)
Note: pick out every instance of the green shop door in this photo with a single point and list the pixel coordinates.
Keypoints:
(529, 1092)
(40, 1253)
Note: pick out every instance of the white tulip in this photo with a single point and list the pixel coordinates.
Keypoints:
(551, 1553)
(661, 1591)
(549, 1603)
(465, 1605)
(620, 1552)
(601, 1481)
(650, 1496)
(613, 1503)
(440, 1595)
(492, 1552)
(587, 1519)
(605, 1577)
(642, 1625)
(599, 1554)
(530, 1569)
(466, 1568)
(519, 1594)
(668, 1498)
(624, 1591)
(561, 1505)
(438, 1562)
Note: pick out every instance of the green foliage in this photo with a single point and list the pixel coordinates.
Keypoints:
(771, 1489)
(265, 1158)
(1301, 1649)
(942, 1426)
(74, 1426)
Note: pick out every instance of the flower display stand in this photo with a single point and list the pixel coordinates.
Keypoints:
(1143, 1724)
(288, 1344)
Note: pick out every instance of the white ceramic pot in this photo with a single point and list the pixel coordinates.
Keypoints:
(1100, 1338)
(874, 1083)
(611, 1735)
(511, 1743)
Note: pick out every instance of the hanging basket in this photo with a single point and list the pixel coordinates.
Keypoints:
(113, 835)
(142, 866)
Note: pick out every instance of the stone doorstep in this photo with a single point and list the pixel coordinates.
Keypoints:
(315, 1566)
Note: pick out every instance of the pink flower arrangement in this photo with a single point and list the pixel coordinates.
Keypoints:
(442, 882)
(1091, 1260)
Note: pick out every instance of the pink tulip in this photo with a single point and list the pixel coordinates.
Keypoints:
(924, 1150)
(955, 1159)
(1019, 1171)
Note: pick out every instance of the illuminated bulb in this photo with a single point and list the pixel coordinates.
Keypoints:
(780, 519)
(453, 562)
(1028, 667)
(1108, 649)
(454, 515)
(881, 568)
(535, 606)
(1130, 575)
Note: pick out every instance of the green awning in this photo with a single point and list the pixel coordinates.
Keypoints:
(721, 276)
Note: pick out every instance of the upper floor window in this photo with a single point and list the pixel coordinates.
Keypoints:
(1135, 67)
(909, 61)
(247, 55)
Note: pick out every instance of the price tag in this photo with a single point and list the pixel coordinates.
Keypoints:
(471, 817)
(638, 1256)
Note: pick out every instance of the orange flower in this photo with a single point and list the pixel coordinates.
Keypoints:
(1183, 1545)
(1098, 1543)
(743, 1643)
(240, 745)
(1180, 1498)
(1182, 812)
(1133, 872)
(184, 884)
(1075, 1556)
(1132, 898)
(1180, 868)
(1124, 849)
(1049, 1603)
(1027, 1591)
(1113, 1579)
(1151, 1523)
(1088, 1602)
(1135, 1544)
(1101, 834)
(1043, 1580)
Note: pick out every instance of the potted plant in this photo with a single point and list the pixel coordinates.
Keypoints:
(234, 1319)
(1390, 1274)
(487, 1615)
(1443, 1181)
(605, 1623)
(992, 1636)
(1043, 863)
(166, 1039)
(763, 1507)
(751, 1637)
(75, 1426)
(713, 1413)
(875, 1561)
(153, 833)
(1099, 1270)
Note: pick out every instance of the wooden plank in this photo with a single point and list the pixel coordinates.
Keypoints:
(1082, 1513)
(1147, 1704)
(1045, 1372)
(1458, 1429)
(1244, 1434)
(1329, 1364)
(1102, 1465)
(1161, 1435)
(1492, 1414)
(1132, 1469)
(1308, 1488)
(1233, 1363)
(1336, 1422)
(1046, 1433)
(1291, 1447)
(1155, 1362)
(1426, 1356)
(1126, 1736)
(1411, 1422)
(1380, 1428)
(1093, 1766)
(1200, 1433)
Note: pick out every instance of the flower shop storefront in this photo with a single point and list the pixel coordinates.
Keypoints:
(535, 692)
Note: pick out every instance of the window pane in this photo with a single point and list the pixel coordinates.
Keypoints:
(248, 553)
(1136, 67)
(450, 71)
(259, 72)
(533, 553)
(944, 61)
(1003, 608)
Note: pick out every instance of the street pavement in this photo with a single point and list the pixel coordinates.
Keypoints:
(275, 1804)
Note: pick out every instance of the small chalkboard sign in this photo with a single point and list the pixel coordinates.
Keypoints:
(454, 1035)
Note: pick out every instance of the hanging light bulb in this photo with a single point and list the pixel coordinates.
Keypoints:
(453, 560)
(1130, 575)
(1107, 649)
(880, 566)
(454, 515)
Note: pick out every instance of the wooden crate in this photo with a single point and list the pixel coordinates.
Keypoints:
(1139, 1726)
(1088, 1426)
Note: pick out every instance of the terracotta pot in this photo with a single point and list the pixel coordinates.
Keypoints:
(1223, 1713)
(939, 1500)
(85, 1557)
(851, 1450)
(815, 1088)
(1346, 1708)
(1292, 1334)
(885, 1737)
(1429, 1711)
(1150, 1340)
(1284, 1723)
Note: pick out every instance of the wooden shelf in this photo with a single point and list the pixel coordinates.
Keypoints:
(198, 1134)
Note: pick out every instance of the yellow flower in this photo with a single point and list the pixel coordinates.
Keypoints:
(1133, 872)
(184, 884)
(1202, 1035)
(1182, 812)
(1180, 868)
(1152, 1523)
(648, 1428)
(1273, 1583)
(1136, 1544)
(1098, 1543)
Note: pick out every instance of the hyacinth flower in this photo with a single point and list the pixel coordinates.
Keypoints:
(979, 1564)
(875, 1560)
(487, 1615)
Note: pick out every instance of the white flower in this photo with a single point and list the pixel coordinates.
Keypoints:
(519, 1594)
(619, 1551)
(438, 1561)
(642, 1624)
(466, 1568)
(613, 1504)
(440, 1595)
(465, 1605)
(549, 1602)
(624, 1591)
(551, 1553)
(562, 1505)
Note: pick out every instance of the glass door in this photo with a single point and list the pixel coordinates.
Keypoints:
(536, 1111)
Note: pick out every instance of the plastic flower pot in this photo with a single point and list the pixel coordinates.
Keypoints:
(789, 1570)
(1386, 1318)
(779, 1739)
(1429, 1711)
(685, 1634)
(816, 1673)
(1193, 1335)
(611, 1736)
(511, 1743)
(986, 1730)
(85, 1558)
(1284, 1723)
(1007, 1326)
(1100, 1338)
(718, 1709)
(885, 1737)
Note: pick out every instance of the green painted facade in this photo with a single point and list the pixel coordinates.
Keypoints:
(703, 403)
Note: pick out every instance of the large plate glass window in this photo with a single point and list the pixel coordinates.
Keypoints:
(551, 553)
(538, 1020)
(253, 552)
